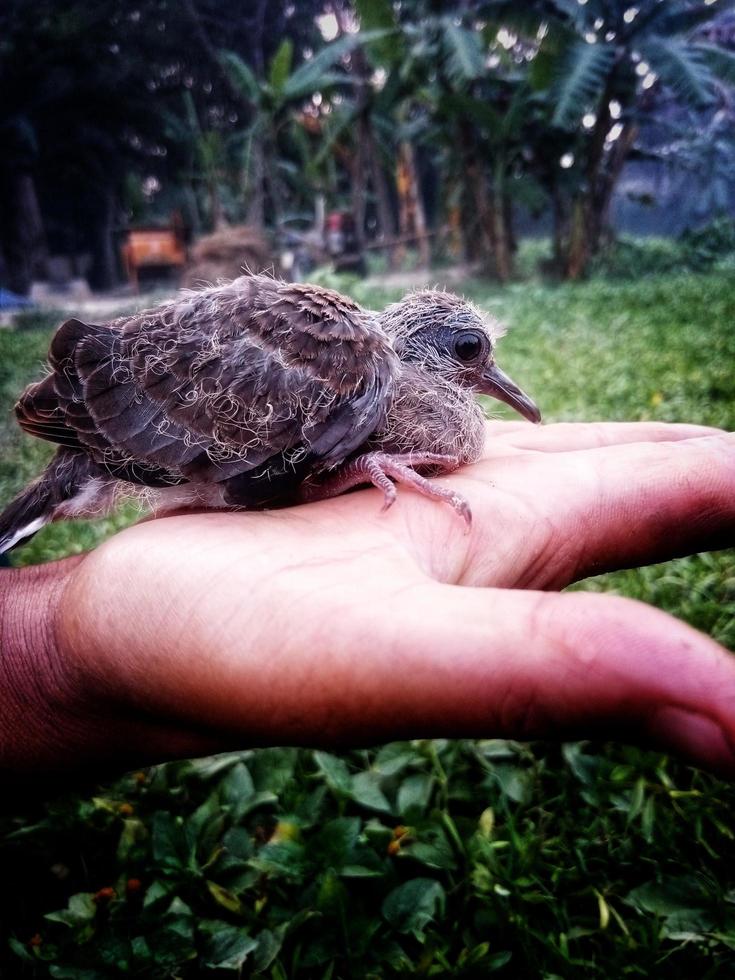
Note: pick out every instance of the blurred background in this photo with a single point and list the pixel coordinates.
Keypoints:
(193, 137)
(570, 166)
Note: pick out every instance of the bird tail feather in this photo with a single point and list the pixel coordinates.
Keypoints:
(36, 505)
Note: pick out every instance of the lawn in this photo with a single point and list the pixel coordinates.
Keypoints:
(428, 858)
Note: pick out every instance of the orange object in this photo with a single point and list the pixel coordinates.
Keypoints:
(152, 247)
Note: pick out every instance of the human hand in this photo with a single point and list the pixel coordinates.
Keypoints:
(335, 624)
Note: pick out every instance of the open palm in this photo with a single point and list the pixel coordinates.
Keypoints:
(333, 623)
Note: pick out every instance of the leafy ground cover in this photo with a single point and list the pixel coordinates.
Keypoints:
(425, 858)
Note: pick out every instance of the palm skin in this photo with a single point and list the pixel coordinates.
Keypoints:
(333, 623)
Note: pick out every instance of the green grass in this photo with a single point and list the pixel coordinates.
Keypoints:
(579, 861)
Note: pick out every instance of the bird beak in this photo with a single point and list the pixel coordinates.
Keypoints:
(496, 383)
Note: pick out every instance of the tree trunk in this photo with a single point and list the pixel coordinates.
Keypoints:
(475, 179)
(386, 224)
(216, 211)
(104, 274)
(255, 214)
(491, 210)
(501, 234)
(613, 169)
(591, 206)
(508, 217)
(23, 239)
(358, 183)
(412, 217)
(579, 247)
(560, 224)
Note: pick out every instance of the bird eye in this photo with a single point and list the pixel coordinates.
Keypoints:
(468, 346)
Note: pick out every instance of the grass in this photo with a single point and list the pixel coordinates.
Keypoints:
(428, 858)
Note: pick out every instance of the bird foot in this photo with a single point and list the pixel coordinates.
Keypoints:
(381, 469)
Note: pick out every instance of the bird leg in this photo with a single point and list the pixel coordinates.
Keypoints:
(381, 469)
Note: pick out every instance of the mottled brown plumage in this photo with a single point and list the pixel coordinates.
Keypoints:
(256, 393)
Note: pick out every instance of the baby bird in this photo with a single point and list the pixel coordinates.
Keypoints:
(259, 393)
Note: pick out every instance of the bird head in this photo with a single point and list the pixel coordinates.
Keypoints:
(446, 335)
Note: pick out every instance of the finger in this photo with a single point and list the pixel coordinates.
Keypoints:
(525, 665)
(582, 513)
(492, 663)
(566, 436)
(644, 503)
(375, 662)
(498, 428)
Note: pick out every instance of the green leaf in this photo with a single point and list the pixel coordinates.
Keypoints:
(394, 757)
(225, 898)
(236, 786)
(331, 896)
(581, 76)
(669, 895)
(335, 772)
(720, 61)
(465, 53)
(170, 846)
(241, 76)
(414, 795)
(134, 832)
(158, 892)
(283, 859)
(361, 871)
(681, 66)
(378, 19)
(413, 905)
(172, 942)
(376, 15)
(21, 950)
(269, 946)
(315, 73)
(238, 843)
(367, 792)
(542, 69)
(334, 843)
(515, 782)
(280, 66)
(226, 947)
(432, 849)
(273, 769)
(80, 909)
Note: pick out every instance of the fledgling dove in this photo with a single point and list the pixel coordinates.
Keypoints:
(255, 394)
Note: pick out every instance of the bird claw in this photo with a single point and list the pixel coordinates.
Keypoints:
(381, 469)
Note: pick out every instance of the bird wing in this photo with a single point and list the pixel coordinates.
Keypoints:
(217, 382)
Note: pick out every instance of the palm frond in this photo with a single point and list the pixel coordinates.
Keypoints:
(241, 75)
(583, 71)
(522, 19)
(280, 66)
(681, 66)
(310, 76)
(379, 15)
(675, 19)
(720, 61)
(465, 57)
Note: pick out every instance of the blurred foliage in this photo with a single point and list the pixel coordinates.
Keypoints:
(261, 112)
(425, 858)
(422, 858)
(697, 249)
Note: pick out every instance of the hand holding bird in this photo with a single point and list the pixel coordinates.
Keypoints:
(333, 624)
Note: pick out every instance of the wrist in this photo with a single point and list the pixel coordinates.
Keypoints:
(40, 691)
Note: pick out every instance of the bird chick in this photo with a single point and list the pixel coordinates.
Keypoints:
(258, 393)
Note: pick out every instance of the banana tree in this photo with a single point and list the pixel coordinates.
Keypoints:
(476, 109)
(598, 67)
(273, 103)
